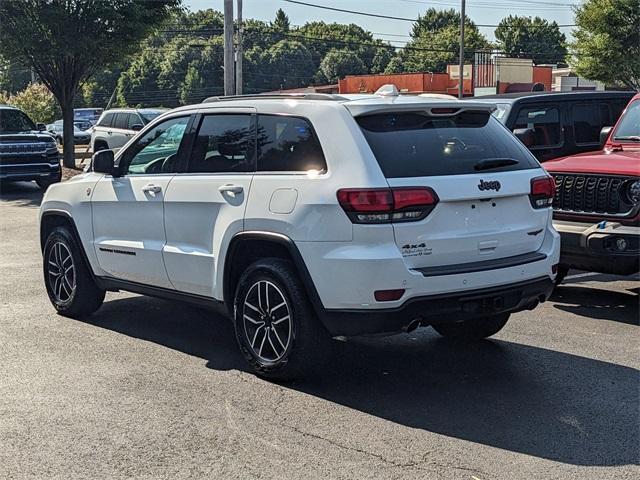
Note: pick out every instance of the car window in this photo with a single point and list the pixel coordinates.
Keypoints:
(502, 111)
(157, 150)
(106, 120)
(288, 144)
(415, 144)
(629, 126)
(588, 120)
(134, 119)
(121, 121)
(545, 123)
(14, 121)
(224, 143)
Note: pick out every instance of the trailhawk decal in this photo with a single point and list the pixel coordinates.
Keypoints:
(415, 250)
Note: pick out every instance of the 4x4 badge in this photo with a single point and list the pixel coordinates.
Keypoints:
(492, 185)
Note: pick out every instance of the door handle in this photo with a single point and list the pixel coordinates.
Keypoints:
(235, 189)
(151, 188)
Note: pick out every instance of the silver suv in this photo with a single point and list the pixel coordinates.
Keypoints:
(117, 126)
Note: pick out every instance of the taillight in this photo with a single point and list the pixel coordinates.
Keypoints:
(543, 189)
(385, 205)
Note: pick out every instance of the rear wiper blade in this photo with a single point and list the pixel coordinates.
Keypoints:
(633, 138)
(490, 163)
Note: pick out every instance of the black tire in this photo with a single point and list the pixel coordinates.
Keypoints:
(77, 294)
(46, 182)
(560, 276)
(298, 355)
(473, 329)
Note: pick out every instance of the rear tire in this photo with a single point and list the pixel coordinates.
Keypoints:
(473, 329)
(70, 286)
(276, 328)
(560, 276)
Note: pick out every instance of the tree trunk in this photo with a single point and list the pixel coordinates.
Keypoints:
(69, 154)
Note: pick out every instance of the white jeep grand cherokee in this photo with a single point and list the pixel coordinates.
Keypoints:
(311, 216)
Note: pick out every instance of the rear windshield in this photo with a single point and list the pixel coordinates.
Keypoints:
(414, 144)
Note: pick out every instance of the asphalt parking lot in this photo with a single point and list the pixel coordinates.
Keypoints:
(146, 388)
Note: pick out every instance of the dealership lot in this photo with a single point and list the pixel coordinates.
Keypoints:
(148, 388)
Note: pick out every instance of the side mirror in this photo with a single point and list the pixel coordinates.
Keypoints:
(41, 127)
(525, 135)
(137, 127)
(103, 162)
(604, 135)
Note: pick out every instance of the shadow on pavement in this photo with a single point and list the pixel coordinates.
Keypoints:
(520, 398)
(26, 194)
(598, 303)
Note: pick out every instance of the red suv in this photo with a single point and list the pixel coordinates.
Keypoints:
(597, 201)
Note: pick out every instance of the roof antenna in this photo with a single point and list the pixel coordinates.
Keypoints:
(388, 90)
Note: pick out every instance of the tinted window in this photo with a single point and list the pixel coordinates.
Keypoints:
(134, 119)
(288, 144)
(14, 121)
(121, 121)
(106, 120)
(224, 144)
(545, 123)
(629, 125)
(414, 144)
(148, 115)
(588, 120)
(156, 151)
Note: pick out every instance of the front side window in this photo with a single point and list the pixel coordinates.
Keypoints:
(157, 150)
(545, 125)
(628, 128)
(588, 120)
(224, 144)
(288, 144)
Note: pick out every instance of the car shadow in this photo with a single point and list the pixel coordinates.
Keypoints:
(598, 303)
(520, 398)
(580, 277)
(26, 194)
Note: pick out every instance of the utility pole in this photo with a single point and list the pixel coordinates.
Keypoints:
(239, 52)
(228, 47)
(461, 77)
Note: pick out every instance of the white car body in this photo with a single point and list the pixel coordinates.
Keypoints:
(172, 232)
(107, 133)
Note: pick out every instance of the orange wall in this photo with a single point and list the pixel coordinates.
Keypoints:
(543, 75)
(405, 82)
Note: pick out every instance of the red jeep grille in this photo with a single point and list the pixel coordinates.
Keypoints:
(589, 194)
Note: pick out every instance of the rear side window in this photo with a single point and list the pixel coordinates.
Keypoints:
(588, 120)
(121, 121)
(134, 119)
(106, 120)
(224, 144)
(288, 144)
(545, 123)
(414, 144)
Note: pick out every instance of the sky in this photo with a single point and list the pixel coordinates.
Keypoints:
(480, 11)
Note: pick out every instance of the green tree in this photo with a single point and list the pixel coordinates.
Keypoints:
(607, 41)
(36, 101)
(138, 85)
(339, 63)
(290, 65)
(68, 41)
(436, 39)
(281, 22)
(381, 59)
(13, 75)
(537, 39)
(395, 65)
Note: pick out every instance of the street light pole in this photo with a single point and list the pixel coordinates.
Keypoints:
(228, 47)
(461, 63)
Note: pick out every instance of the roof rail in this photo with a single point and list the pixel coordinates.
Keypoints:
(272, 96)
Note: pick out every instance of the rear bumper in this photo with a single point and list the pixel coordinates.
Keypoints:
(594, 247)
(440, 308)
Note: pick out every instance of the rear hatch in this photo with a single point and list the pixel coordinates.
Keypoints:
(482, 178)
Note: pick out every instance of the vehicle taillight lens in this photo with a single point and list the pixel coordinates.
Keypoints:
(543, 189)
(385, 205)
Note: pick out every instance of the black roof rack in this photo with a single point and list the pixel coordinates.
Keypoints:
(271, 96)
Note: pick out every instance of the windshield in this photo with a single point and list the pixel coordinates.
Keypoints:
(629, 125)
(14, 121)
(502, 111)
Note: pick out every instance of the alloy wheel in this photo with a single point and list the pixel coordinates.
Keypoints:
(61, 272)
(267, 321)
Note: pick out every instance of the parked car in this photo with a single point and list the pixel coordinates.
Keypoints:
(557, 124)
(309, 216)
(117, 126)
(597, 202)
(80, 137)
(87, 117)
(27, 151)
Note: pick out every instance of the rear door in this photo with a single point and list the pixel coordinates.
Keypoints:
(481, 175)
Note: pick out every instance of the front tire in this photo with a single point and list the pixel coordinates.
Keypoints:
(473, 329)
(70, 286)
(46, 182)
(276, 328)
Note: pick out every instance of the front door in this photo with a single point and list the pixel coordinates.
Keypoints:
(128, 213)
(205, 206)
